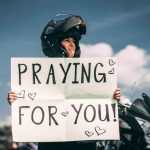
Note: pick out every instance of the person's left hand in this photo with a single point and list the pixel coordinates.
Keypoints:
(11, 97)
(117, 94)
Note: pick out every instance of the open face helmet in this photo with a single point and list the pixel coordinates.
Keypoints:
(57, 30)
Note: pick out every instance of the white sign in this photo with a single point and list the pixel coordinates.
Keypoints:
(64, 99)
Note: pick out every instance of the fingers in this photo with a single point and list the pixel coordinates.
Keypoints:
(117, 94)
(14, 145)
(11, 97)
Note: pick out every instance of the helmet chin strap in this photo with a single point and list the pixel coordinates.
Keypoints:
(64, 52)
(77, 53)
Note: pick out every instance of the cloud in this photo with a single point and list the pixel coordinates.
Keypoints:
(133, 71)
(133, 66)
(100, 49)
(132, 62)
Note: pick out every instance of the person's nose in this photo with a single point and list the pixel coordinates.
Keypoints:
(72, 43)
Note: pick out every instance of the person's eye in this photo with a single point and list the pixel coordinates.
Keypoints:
(66, 39)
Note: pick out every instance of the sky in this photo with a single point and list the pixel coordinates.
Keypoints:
(118, 28)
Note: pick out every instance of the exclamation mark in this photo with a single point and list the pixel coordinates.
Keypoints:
(114, 111)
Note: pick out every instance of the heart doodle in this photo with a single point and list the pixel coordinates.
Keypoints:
(88, 133)
(111, 62)
(99, 130)
(21, 94)
(65, 113)
(112, 71)
(32, 95)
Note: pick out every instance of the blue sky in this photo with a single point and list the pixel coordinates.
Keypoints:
(118, 28)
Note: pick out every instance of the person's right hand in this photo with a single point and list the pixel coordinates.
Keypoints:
(11, 97)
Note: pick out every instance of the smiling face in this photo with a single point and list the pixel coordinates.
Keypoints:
(69, 45)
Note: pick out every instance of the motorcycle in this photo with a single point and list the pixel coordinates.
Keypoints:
(134, 124)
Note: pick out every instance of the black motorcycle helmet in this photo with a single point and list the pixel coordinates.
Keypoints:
(55, 31)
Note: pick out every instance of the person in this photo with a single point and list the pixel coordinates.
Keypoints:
(61, 38)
